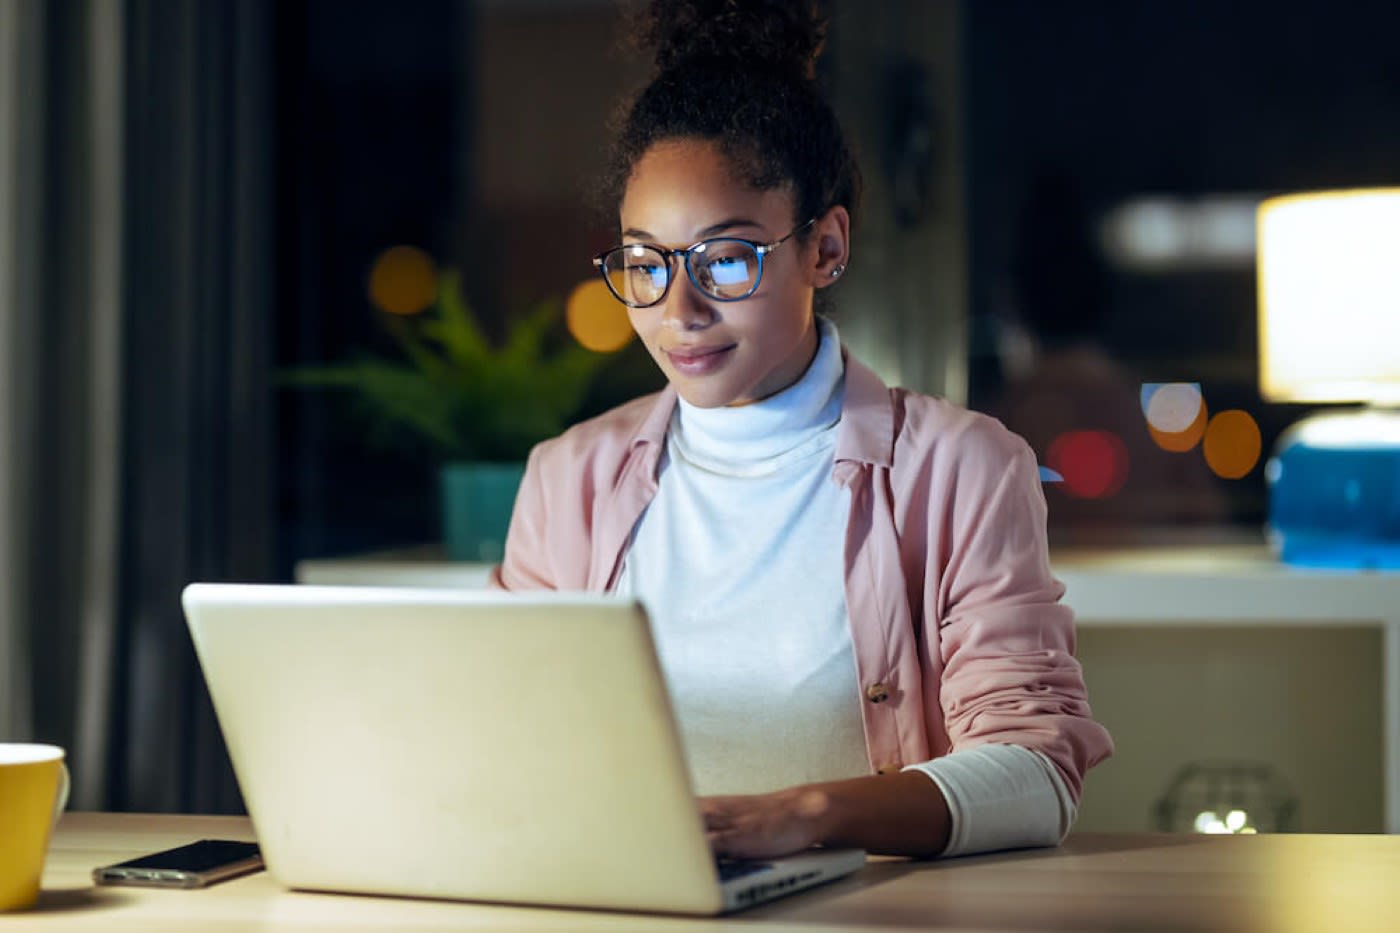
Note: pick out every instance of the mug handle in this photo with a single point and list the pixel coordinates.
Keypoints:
(65, 784)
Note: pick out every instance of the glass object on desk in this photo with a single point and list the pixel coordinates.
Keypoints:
(1334, 484)
(1238, 797)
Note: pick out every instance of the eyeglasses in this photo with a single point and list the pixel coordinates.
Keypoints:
(724, 268)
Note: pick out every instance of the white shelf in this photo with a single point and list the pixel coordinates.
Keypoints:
(1231, 584)
(391, 571)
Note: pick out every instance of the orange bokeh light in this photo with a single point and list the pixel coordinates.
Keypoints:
(597, 320)
(1182, 441)
(1232, 444)
(1176, 414)
(1093, 464)
(403, 280)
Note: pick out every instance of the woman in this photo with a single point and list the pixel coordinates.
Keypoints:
(849, 585)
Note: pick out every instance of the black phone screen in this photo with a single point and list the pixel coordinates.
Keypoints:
(197, 857)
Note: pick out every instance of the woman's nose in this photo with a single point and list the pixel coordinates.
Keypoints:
(685, 308)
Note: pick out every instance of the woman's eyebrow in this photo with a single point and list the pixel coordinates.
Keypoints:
(724, 225)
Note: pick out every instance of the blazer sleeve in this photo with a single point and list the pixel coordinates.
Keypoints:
(526, 563)
(1006, 641)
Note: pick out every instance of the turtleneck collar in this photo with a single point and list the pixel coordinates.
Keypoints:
(762, 435)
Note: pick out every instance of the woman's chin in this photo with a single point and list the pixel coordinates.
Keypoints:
(705, 397)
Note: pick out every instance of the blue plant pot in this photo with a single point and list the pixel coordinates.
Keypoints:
(477, 499)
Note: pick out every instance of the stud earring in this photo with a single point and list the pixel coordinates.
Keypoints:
(836, 272)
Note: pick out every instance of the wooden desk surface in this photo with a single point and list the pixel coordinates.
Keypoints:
(1094, 882)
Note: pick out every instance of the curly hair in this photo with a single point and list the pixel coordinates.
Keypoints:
(741, 74)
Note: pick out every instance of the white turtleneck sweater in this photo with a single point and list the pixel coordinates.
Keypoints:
(738, 560)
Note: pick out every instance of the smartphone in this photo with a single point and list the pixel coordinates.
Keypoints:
(195, 865)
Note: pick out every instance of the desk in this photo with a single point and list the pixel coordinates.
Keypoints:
(1103, 882)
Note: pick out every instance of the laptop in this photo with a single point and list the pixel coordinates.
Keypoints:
(472, 745)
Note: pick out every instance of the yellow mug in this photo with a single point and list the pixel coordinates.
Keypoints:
(33, 793)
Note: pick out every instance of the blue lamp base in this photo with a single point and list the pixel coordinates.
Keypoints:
(1334, 491)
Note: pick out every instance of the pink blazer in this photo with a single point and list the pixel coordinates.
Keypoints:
(960, 637)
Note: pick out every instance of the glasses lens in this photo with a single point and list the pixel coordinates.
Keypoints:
(636, 274)
(726, 269)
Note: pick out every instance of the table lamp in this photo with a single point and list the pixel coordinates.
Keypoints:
(1329, 331)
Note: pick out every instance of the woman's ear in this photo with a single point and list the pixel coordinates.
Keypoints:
(832, 235)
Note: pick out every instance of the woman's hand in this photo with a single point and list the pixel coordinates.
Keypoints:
(765, 825)
(896, 814)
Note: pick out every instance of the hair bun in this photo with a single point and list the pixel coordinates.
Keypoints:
(782, 35)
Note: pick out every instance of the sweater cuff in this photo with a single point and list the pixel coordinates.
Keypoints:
(1001, 797)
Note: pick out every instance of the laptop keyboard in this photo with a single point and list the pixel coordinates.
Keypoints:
(729, 869)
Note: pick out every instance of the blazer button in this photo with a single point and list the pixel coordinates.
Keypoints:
(877, 693)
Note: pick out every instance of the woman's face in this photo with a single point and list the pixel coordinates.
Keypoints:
(727, 352)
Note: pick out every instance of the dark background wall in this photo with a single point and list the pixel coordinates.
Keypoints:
(474, 130)
(1181, 99)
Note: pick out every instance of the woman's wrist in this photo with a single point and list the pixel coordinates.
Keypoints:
(895, 814)
(813, 805)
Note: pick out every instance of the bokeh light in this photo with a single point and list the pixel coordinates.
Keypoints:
(1147, 232)
(1157, 233)
(1232, 443)
(596, 319)
(1094, 464)
(1236, 822)
(1176, 414)
(1171, 407)
(403, 280)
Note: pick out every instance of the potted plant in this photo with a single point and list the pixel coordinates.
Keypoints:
(479, 407)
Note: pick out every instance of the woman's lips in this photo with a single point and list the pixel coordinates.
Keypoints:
(699, 361)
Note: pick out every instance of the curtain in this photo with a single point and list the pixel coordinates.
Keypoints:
(18, 23)
(197, 501)
(137, 279)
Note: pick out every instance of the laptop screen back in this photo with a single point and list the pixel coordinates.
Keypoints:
(457, 744)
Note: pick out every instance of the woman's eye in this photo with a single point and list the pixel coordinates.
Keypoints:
(728, 270)
(651, 272)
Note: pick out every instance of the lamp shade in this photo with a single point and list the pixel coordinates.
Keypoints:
(1329, 331)
(1329, 297)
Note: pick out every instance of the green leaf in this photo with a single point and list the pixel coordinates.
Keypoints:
(452, 389)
